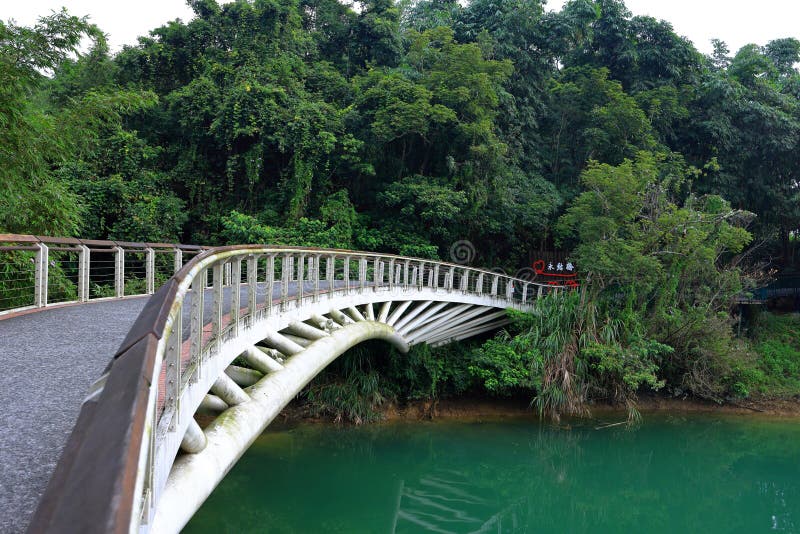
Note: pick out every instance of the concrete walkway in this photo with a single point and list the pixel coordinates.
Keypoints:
(48, 361)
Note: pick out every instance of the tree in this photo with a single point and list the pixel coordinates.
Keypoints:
(31, 141)
(666, 268)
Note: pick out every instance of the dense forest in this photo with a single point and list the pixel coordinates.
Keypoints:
(669, 177)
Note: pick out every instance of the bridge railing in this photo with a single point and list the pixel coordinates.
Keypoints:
(39, 271)
(119, 456)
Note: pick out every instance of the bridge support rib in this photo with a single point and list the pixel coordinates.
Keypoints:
(260, 361)
(211, 404)
(227, 390)
(194, 476)
(194, 440)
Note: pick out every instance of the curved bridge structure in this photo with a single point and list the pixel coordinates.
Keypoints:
(237, 333)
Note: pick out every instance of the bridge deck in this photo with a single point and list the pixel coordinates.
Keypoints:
(48, 360)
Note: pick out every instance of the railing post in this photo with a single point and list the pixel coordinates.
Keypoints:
(236, 293)
(216, 306)
(391, 274)
(270, 276)
(317, 260)
(436, 276)
(495, 282)
(173, 370)
(119, 271)
(301, 266)
(406, 269)
(150, 270)
(347, 275)
(479, 284)
(227, 277)
(41, 275)
(330, 274)
(539, 293)
(286, 275)
(196, 322)
(178, 261)
(83, 273)
(465, 280)
(451, 279)
(252, 286)
(377, 275)
(524, 292)
(362, 274)
(289, 266)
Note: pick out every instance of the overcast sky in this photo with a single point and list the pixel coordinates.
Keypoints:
(737, 22)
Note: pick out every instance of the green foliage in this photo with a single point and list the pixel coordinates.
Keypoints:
(31, 140)
(777, 344)
(349, 391)
(334, 230)
(430, 373)
(661, 262)
(403, 128)
(503, 365)
(620, 371)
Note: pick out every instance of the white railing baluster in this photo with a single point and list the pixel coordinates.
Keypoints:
(301, 264)
(173, 369)
(84, 259)
(119, 271)
(216, 306)
(41, 274)
(150, 270)
(286, 275)
(362, 274)
(330, 274)
(236, 293)
(347, 274)
(227, 278)
(177, 263)
(196, 322)
(270, 283)
(252, 287)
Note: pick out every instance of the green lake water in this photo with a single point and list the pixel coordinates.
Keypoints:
(680, 473)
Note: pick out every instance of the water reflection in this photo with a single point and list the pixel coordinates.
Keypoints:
(707, 474)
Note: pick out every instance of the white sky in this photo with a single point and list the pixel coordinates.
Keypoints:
(737, 22)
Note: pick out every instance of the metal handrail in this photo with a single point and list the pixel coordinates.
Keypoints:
(114, 465)
(48, 253)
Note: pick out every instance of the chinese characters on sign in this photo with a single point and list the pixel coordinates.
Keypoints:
(557, 273)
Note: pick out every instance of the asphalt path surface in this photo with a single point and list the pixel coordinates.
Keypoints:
(49, 359)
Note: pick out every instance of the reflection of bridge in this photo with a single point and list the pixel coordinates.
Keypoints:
(237, 332)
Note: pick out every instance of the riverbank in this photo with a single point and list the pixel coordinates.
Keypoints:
(474, 407)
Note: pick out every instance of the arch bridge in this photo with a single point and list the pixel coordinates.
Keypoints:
(237, 332)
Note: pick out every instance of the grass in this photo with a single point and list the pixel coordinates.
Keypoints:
(776, 340)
